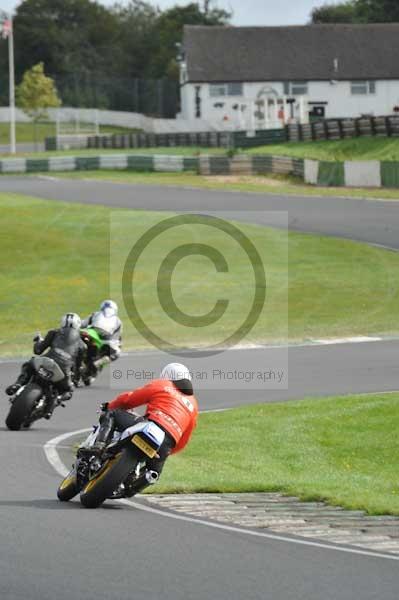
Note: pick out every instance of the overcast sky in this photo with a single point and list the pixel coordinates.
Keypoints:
(246, 12)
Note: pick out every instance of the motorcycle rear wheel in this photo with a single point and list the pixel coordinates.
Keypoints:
(22, 406)
(113, 473)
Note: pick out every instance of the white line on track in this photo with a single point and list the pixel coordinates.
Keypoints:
(50, 449)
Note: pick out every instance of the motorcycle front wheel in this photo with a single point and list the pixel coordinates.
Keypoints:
(68, 488)
(113, 473)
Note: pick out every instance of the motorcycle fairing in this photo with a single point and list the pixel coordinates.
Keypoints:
(50, 366)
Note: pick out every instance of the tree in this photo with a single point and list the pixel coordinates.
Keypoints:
(358, 11)
(67, 35)
(94, 52)
(36, 93)
(378, 11)
(335, 13)
(170, 32)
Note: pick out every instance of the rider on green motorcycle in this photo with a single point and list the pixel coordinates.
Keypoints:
(108, 326)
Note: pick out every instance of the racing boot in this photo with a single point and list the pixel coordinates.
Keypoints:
(50, 408)
(23, 379)
(64, 397)
(104, 432)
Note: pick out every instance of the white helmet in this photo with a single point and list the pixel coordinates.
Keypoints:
(71, 320)
(175, 372)
(109, 308)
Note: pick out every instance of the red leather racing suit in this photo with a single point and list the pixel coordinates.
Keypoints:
(175, 412)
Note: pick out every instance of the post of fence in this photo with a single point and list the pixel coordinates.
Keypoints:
(388, 126)
(326, 132)
(340, 129)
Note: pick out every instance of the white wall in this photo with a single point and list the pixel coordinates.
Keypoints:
(20, 116)
(341, 103)
(120, 119)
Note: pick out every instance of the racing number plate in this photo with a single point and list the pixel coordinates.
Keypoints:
(44, 373)
(144, 447)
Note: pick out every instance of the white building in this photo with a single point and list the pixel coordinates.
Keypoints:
(259, 77)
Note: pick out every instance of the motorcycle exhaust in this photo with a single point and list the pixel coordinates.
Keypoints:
(151, 477)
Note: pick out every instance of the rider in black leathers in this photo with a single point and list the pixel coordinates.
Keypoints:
(65, 348)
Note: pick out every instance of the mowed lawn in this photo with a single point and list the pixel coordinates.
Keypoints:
(340, 449)
(55, 257)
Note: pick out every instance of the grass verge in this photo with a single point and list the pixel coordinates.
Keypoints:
(172, 151)
(55, 258)
(270, 184)
(362, 148)
(342, 450)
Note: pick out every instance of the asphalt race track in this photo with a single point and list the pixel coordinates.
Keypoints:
(50, 550)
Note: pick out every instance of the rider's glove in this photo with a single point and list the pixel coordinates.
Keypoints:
(37, 337)
(104, 406)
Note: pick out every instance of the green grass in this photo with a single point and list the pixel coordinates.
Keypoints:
(25, 132)
(341, 449)
(270, 184)
(177, 151)
(363, 148)
(54, 258)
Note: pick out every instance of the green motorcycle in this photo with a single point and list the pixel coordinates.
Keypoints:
(100, 351)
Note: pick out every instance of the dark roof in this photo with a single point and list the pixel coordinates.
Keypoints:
(292, 53)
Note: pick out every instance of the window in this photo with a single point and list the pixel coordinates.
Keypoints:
(234, 89)
(225, 89)
(216, 89)
(361, 88)
(295, 88)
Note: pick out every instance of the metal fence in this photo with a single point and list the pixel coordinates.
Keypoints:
(155, 97)
(152, 97)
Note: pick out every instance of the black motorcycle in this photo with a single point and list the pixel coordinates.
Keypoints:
(38, 397)
(116, 472)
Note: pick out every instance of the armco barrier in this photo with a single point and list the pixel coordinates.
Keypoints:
(350, 173)
(250, 164)
(390, 174)
(132, 162)
(331, 173)
(368, 173)
(242, 164)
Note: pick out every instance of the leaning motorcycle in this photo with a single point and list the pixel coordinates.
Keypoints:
(117, 470)
(99, 348)
(34, 400)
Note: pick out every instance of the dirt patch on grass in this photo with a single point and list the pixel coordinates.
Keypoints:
(243, 179)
